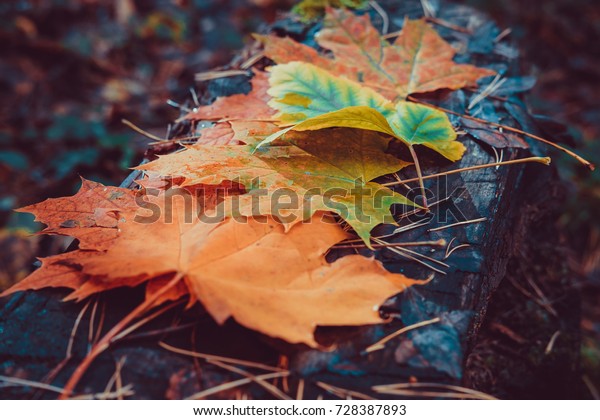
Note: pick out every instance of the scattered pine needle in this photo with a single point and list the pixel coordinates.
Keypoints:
(27, 383)
(426, 257)
(440, 242)
(543, 300)
(218, 74)
(157, 140)
(196, 102)
(435, 21)
(100, 322)
(591, 387)
(448, 25)
(384, 16)
(116, 377)
(91, 328)
(403, 252)
(503, 35)
(380, 345)
(252, 60)
(220, 358)
(457, 247)
(487, 91)
(342, 392)
(300, 390)
(160, 331)
(259, 381)
(126, 391)
(146, 319)
(119, 379)
(550, 345)
(589, 165)
(428, 9)
(69, 352)
(417, 211)
(465, 222)
(414, 389)
(105, 342)
(401, 229)
(123, 392)
(392, 35)
(430, 394)
(410, 226)
(544, 160)
(141, 131)
(234, 384)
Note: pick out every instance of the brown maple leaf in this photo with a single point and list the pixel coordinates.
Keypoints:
(92, 215)
(54, 272)
(419, 60)
(250, 269)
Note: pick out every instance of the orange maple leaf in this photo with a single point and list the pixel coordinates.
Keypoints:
(54, 272)
(92, 215)
(220, 134)
(239, 108)
(251, 106)
(250, 269)
(419, 60)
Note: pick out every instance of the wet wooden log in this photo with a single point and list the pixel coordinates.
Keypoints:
(498, 227)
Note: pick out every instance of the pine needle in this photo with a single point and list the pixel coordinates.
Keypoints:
(220, 358)
(380, 345)
(342, 392)
(404, 254)
(234, 384)
(253, 378)
(589, 165)
(465, 222)
(412, 389)
(535, 159)
(300, 390)
(218, 74)
(105, 342)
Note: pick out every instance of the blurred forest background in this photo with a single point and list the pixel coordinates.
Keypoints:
(70, 71)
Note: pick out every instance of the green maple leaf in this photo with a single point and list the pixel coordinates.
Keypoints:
(313, 99)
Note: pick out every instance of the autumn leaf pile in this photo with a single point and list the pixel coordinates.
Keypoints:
(317, 125)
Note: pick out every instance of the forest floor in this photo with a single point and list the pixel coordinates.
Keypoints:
(75, 69)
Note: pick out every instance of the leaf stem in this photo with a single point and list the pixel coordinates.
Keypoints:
(544, 160)
(342, 245)
(107, 340)
(587, 163)
(419, 174)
